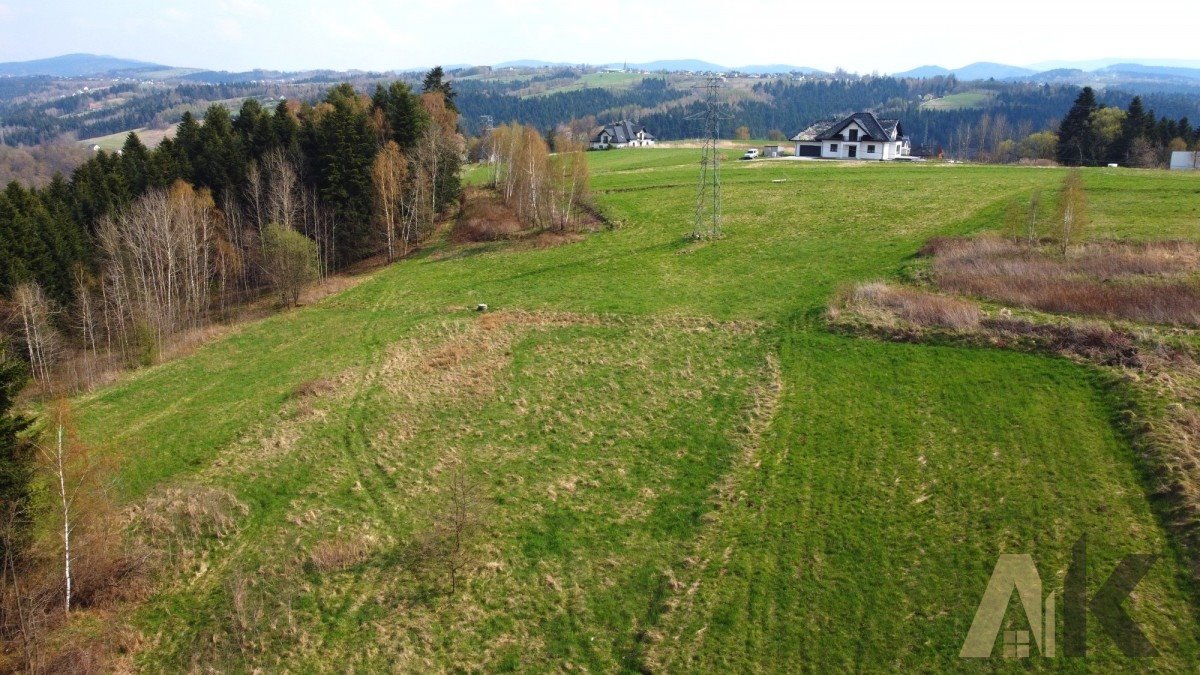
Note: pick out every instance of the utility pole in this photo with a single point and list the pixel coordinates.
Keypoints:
(708, 192)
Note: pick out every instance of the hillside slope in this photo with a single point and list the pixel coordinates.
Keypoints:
(682, 468)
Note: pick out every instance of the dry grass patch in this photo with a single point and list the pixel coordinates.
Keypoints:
(342, 551)
(191, 512)
(1147, 282)
(484, 217)
(908, 304)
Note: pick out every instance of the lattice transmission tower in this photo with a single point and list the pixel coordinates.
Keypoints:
(708, 192)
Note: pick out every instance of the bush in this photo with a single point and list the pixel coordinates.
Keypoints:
(289, 261)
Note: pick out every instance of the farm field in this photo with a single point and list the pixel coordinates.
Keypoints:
(682, 468)
(113, 142)
(960, 101)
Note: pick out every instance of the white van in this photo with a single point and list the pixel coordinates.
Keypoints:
(752, 153)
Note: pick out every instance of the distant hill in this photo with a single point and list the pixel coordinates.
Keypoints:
(777, 68)
(985, 70)
(532, 63)
(924, 72)
(981, 70)
(693, 65)
(75, 65)
(1097, 64)
(1161, 71)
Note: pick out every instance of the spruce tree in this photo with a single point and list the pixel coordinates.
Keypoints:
(135, 164)
(435, 81)
(405, 116)
(16, 462)
(1076, 138)
(341, 148)
(285, 129)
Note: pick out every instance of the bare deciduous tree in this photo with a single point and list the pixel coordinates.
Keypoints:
(1031, 215)
(160, 259)
(570, 179)
(460, 520)
(1072, 210)
(390, 178)
(66, 461)
(37, 331)
(545, 190)
(284, 194)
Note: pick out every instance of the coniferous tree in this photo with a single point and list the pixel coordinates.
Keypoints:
(435, 82)
(16, 462)
(1133, 128)
(187, 145)
(1076, 138)
(217, 160)
(285, 129)
(341, 148)
(135, 164)
(402, 110)
(254, 129)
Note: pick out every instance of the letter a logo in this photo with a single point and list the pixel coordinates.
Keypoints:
(1012, 572)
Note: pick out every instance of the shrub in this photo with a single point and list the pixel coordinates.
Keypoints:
(289, 261)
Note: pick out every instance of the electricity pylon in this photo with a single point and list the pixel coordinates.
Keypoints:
(708, 192)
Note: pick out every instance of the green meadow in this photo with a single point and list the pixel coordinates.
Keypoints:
(682, 468)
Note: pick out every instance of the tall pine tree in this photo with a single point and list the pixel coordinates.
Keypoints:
(435, 82)
(341, 147)
(1076, 138)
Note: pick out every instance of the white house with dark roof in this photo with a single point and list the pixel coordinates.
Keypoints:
(859, 136)
(622, 134)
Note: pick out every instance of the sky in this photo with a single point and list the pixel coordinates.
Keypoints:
(861, 36)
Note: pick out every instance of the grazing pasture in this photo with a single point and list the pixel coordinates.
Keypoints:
(675, 465)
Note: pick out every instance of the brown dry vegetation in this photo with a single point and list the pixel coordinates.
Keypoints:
(485, 217)
(1151, 282)
(342, 551)
(926, 309)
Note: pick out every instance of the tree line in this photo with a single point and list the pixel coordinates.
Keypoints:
(1094, 134)
(140, 245)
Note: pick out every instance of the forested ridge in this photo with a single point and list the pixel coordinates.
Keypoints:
(139, 245)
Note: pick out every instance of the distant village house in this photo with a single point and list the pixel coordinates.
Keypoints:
(622, 134)
(859, 136)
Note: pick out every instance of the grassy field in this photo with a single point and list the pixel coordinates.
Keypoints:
(960, 101)
(113, 142)
(683, 468)
(605, 80)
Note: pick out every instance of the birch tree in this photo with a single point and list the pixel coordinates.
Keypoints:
(283, 194)
(570, 173)
(389, 176)
(160, 261)
(41, 340)
(1072, 210)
